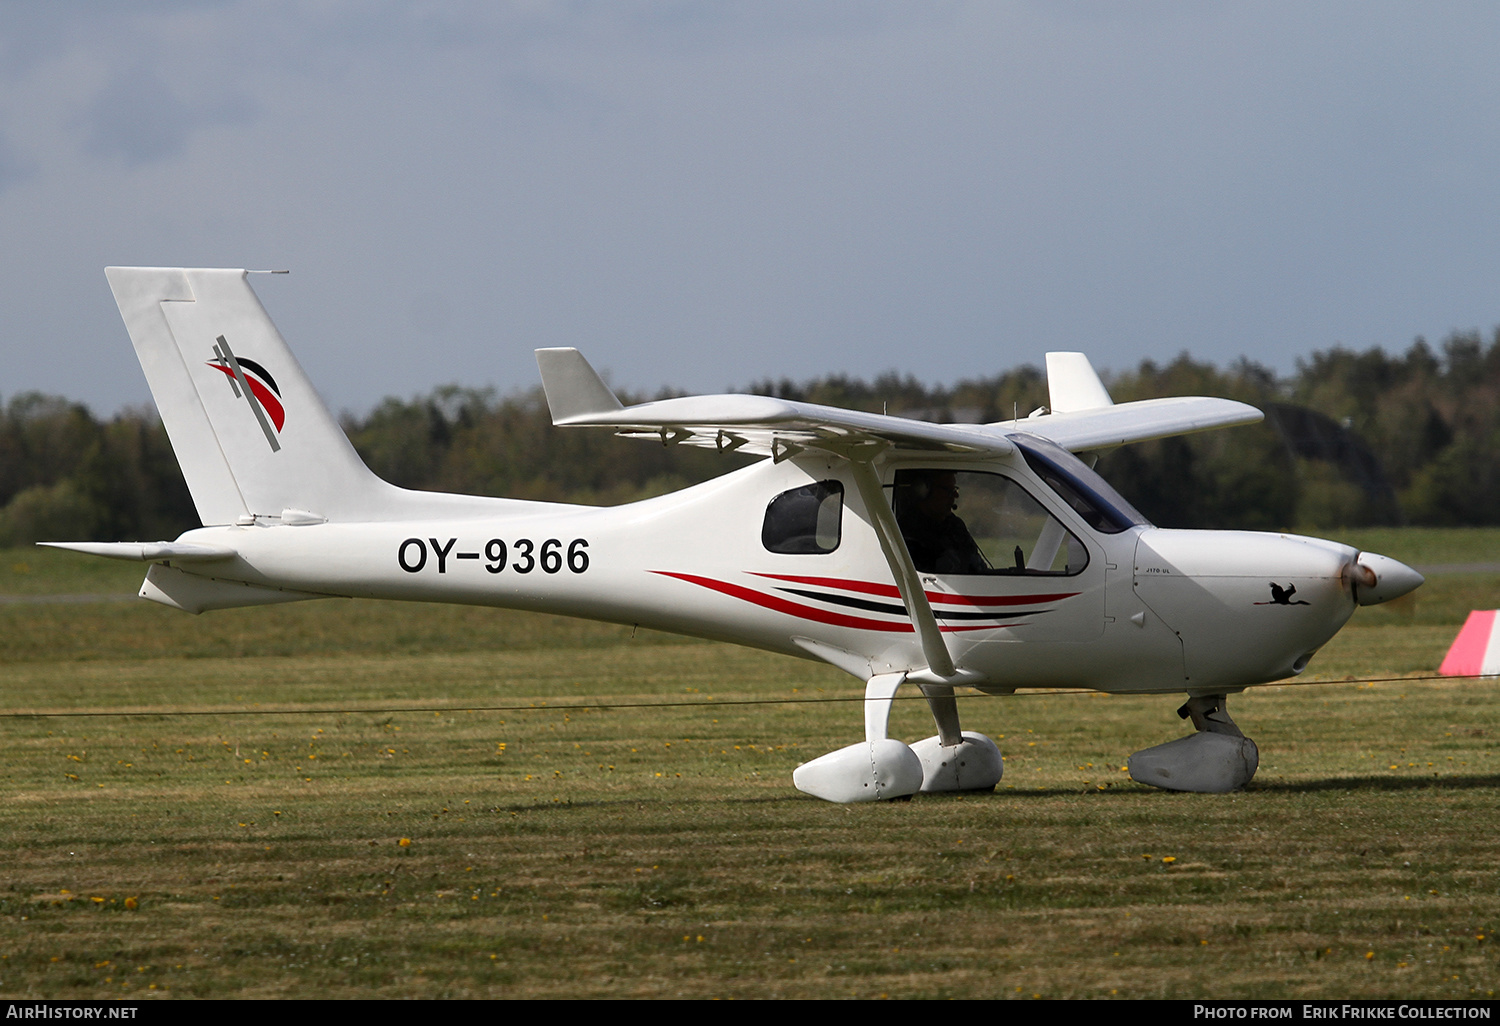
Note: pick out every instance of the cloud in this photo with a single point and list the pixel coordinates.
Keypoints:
(712, 193)
(139, 118)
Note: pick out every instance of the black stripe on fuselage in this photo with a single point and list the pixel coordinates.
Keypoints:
(896, 610)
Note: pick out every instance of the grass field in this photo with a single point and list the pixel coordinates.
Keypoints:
(358, 799)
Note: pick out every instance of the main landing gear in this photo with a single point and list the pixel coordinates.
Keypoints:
(881, 767)
(1217, 758)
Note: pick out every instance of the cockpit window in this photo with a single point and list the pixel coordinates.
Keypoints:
(1100, 506)
(972, 522)
(805, 520)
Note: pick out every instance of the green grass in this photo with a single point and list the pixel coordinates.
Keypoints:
(637, 834)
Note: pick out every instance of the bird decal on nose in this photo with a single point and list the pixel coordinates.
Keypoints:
(1283, 596)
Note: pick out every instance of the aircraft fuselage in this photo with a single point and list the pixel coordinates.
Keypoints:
(1137, 610)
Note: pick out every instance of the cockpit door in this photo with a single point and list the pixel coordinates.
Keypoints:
(997, 563)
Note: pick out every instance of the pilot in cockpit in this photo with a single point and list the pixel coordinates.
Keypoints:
(937, 538)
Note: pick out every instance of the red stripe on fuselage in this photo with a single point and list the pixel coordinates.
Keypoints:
(781, 605)
(891, 591)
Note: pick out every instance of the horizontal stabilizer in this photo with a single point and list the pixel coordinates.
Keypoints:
(149, 552)
(1476, 650)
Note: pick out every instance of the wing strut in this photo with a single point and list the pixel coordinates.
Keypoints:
(939, 661)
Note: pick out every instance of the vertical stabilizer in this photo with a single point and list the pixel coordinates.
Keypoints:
(251, 434)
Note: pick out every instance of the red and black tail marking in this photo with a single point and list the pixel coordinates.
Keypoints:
(260, 388)
(267, 393)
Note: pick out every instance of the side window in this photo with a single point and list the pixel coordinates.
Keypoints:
(805, 520)
(968, 522)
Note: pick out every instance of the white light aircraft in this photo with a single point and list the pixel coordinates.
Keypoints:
(942, 556)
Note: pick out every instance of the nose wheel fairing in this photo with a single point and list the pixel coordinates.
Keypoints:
(1216, 759)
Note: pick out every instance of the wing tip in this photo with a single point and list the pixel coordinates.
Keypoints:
(572, 386)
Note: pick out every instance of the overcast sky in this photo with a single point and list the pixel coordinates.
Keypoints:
(703, 195)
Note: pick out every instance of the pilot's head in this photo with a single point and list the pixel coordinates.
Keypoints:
(936, 493)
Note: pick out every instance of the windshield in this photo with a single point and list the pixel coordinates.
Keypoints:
(1092, 497)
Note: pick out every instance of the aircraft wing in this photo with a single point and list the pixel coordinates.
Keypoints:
(1086, 417)
(1109, 426)
(751, 423)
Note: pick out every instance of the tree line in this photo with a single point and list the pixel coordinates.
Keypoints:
(1350, 439)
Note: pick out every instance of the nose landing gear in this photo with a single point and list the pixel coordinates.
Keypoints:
(1217, 758)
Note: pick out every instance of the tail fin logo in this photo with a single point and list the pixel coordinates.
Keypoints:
(253, 383)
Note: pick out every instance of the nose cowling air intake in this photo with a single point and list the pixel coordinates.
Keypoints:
(1376, 579)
